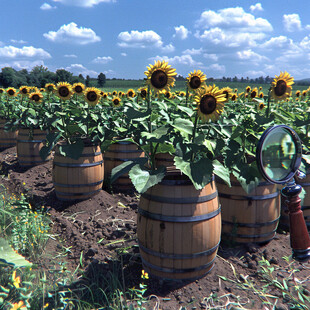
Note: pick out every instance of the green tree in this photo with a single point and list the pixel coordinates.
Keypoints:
(8, 77)
(87, 81)
(63, 75)
(101, 79)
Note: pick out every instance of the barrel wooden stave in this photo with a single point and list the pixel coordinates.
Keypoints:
(246, 217)
(28, 150)
(178, 250)
(7, 138)
(78, 179)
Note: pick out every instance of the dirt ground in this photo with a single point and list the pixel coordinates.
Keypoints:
(103, 228)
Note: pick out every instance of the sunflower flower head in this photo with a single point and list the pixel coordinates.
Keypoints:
(143, 92)
(210, 103)
(131, 93)
(24, 91)
(92, 96)
(234, 97)
(78, 88)
(64, 90)
(36, 97)
(227, 91)
(116, 102)
(196, 79)
(50, 87)
(11, 91)
(254, 93)
(160, 76)
(281, 86)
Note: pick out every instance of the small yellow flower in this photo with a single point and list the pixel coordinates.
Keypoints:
(16, 280)
(145, 275)
(18, 306)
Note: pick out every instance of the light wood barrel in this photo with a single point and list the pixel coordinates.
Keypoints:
(7, 138)
(29, 146)
(179, 229)
(78, 179)
(117, 154)
(249, 217)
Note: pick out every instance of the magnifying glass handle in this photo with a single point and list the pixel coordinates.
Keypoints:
(300, 174)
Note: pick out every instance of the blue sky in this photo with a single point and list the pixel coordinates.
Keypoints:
(122, 37)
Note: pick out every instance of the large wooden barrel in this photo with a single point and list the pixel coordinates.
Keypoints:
(165, 159)
(249, 217)
(29, 144)
(116, 154)
(7, 138)
(179, 228)
(78, 179)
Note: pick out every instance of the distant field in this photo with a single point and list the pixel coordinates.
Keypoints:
(124, 85)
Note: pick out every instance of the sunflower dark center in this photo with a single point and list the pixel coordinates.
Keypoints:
(63, 91)
(226, 93)
(116, 102)
(280, 88)
(261, 106)
(11, 92)
(167, 95)
(91, 96)
(36, 97)
(130, 93)
(195, 82)
(78, 89)
(207, 104)
(297, 95)
(253, 94)
(233, 97)
(50, 88)
(248, 89)
(159, 79)
(24, 91)
(1, 91)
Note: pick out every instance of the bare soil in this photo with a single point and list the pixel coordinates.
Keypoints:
(103, 229)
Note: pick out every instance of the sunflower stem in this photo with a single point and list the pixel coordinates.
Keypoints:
(87, 124)
(186, 100)
(268, 104)
(193, 135)
(149, 106)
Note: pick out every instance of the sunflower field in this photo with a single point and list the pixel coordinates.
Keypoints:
(138, 139)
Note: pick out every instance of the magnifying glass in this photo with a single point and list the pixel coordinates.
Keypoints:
(278, 157)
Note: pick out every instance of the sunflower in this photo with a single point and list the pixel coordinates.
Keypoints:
(24, 90)
(11, 92)
(64, 90)
(261, 95)
(196, 79)
(2, 90)
(116, 102)
(104, 95)
(210, 101)
(254, 93)
(227, 91)
(160, 76)
(304, 93)
(143, 92)
(281, 86)
(36, 97)
(114, 93)
(78, 88)
(248, 89)
(182, 94)
(168, 94)
(50, 87)
(92, 95)
(131, 93)
(233, 97)
(297, 94)
(261, 106)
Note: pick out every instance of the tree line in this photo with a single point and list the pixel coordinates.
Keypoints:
(40, 75)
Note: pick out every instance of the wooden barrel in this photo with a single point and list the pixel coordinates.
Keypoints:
(7, 138)
(29, 146)
(78, 179)
(249, 217)
(179, 228)
(165, 159)
(116, 154)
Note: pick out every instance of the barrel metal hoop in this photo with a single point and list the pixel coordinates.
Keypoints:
(178, 256)
(78, 165)
(30, 141)
(180, 182)
(172, 270)
(241, 197)
(120, 159)
(185, 200)
(77, 185)
(303, 208)
(179, 219)
(124, 151)
(7, 139)
(252, 225)
(88, 155)
(237, 184)
(77, 194)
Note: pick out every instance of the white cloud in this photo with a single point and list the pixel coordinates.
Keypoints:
(186, 60)
(23, 64)
(213, 57)
(143, 39)
(45, 7)
(83, 3)
(305, 43)
(77, 69)
(123, 54)
(256, 8)
(181, 32)
(70, 56)
(249, 55)
(292, 22)
(18, 41)
(219, 69)
(277, 42)
(25, 51)
(234, 19)
(193, 51)
(102, 60)
(72, 34)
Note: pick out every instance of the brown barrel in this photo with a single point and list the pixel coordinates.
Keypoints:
(249, 217)
(7, 138)
(179, 228)
(29, 146)
(117, 154)
(78, 179)
(165, 159)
